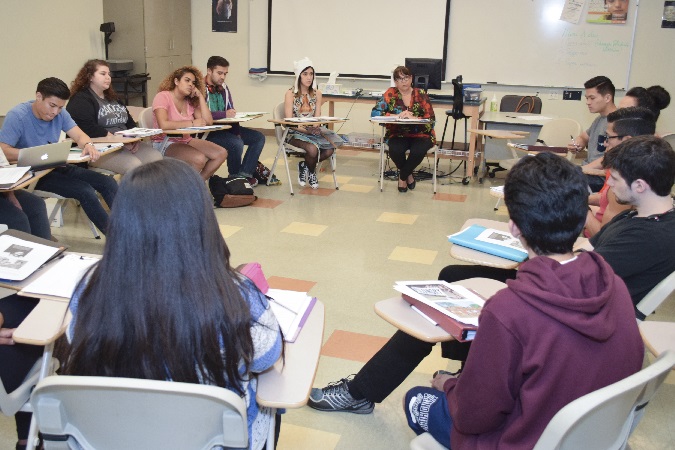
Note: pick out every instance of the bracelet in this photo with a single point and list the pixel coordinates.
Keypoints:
(89, 143)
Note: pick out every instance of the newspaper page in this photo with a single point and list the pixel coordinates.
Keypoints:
(456, 301)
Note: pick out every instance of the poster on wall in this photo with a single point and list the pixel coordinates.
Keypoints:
(224, 16)
(668, 19)
(608, 11)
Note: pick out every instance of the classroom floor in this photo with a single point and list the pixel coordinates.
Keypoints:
(348, 247)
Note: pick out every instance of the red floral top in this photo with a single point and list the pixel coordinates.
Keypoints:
(391, 103)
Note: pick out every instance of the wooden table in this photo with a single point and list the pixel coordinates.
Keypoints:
(658, 336)
(286, 125)
(481, 258)
(398, 312)
(288, 384)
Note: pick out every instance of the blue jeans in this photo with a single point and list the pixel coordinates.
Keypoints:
(234, 144)
(82, 184)
(31, 218)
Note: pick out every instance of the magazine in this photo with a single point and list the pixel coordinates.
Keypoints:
(453, 300)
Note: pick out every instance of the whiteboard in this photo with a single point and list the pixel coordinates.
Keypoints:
(355, 37)
(509, 42)
(523, 42)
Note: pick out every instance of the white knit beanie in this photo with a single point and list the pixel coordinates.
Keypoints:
(299, 67)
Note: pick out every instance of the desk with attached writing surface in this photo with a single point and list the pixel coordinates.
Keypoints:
(398, 312)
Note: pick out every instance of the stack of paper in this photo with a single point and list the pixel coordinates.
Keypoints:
(60, 281)
(139, 132)
(245, 115)
(202, 128)
(76, 152)
(19, 257)
(11, 176)
(291, 309)
(453, 300)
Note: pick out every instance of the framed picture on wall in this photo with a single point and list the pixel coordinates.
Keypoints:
(224, 16)
(608, 11)
(668, 19)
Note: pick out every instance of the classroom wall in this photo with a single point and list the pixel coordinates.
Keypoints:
(65, 33)
(653, 63)
(42, 38)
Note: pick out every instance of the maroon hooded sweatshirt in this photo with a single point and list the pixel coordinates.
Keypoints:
(556, 333)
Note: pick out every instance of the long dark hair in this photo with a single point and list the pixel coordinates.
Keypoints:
(163, 303)
(83, 79)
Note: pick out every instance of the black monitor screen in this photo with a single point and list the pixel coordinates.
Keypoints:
(427, 72)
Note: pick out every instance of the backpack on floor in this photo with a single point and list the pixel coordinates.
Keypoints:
(231, 192)
(262, 174)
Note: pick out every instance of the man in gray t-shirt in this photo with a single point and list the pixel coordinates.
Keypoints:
(600, 100)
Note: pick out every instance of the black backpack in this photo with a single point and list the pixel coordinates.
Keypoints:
(231, 192)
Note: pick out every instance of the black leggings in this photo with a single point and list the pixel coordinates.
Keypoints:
(418, 149)
(387, 369)
(17, 360)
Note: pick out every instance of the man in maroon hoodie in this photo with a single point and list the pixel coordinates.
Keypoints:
(564, 327)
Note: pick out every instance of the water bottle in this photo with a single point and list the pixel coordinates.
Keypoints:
(493, 103)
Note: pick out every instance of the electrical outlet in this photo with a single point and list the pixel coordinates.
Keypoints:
(571, 95)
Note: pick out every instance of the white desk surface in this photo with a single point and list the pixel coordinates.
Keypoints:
(46, 322)
(39, 174)
(398, 312)
(288, 385)
(658, 336)
(515, 118)
(476, 257)
(115, 139)
(18, 285)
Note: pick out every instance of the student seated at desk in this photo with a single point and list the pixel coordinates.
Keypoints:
(95, 109)
(406, 102)
(164, 302)
(638, 245)
(180, 103)
(622, 124)
(319, 143)
(40, 122)
(599, 99)
(559, 304)
(16, 360)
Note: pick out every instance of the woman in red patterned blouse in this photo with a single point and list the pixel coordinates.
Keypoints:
(407, 102)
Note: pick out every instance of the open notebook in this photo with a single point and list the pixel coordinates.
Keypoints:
(291, 309)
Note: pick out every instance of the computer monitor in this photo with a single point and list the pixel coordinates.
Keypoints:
(427, 72)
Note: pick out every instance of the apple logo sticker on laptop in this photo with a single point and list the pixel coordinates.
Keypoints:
(44, 157)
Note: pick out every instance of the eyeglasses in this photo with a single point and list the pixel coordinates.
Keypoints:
(403, 78)
(618, 136)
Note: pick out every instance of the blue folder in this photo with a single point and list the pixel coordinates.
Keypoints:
(467, 238)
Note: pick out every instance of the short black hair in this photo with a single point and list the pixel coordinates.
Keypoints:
(217, 61)
(647, 158)
(547, 198)
(632, 121)
(53, 87)
(602, 84)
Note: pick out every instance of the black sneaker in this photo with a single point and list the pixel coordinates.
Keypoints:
(302, 173)
(336, 397)
(312, 180)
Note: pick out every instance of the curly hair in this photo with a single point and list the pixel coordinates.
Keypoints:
(168, 84)
(84, 76)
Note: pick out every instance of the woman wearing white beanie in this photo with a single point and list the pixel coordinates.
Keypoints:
(319, 143)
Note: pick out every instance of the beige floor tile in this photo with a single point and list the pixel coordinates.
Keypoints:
(415, 255)
(390, 217)
(356, 188)
(228, 230)
(307, 229)
(294, 437)
(328, 178)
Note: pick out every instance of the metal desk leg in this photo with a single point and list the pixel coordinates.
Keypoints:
(382, 158)
(281, 150)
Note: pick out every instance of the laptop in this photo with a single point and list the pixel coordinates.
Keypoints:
(45, 156)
